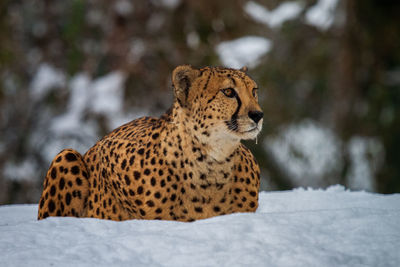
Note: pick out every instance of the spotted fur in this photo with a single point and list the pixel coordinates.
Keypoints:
(186, 165)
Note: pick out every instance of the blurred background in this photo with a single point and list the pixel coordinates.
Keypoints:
(328, 73)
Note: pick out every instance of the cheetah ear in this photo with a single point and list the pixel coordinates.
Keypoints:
(182, 79)
(244, 69)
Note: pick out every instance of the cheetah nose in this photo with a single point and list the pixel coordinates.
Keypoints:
(256, 116)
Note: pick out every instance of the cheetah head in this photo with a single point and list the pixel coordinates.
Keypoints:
(218, 102)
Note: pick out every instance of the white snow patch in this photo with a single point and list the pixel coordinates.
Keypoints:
(307, 150)
(70, 129)
(137, 50)
(192, 39)
(123, 7)
(71, 120)
(19, 171)
(107, 99)
(107, 93)
(333, 188)
(274, 18)
(102, 96)
(292, 228)
(170, 4)
(46, 79)
(245, 51)
(322, 14)
(366, 155)
(312, 154)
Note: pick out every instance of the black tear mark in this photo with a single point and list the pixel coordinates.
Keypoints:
(232, 124)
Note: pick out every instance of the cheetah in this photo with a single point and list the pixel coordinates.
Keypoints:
(187, 165)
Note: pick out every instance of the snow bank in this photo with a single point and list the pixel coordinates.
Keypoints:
(313, 154)
(367, 157)
(274, 18)
(74, 128)
(307, 150)
(46, 79)
(322, 14)
(294, 228)
(244, 51)
(19, 171)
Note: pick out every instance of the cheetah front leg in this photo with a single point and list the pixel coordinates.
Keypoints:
(66, 186)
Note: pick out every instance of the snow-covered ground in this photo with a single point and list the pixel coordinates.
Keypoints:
(332, 227)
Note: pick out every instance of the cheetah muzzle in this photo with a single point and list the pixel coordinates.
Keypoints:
(189, 164)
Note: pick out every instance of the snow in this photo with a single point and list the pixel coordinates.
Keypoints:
(193, 40)
(123, 7)
(245, 51)
(75, 125)
(303, 227)
(107, 93)
(312, 153)
(274, 18)
(70, 128)
(46, 79)
(308, 150)
(103, 95)
(77, 102)
(321, 15)
(367, 156)
(170, 4)
(19, 171)
(137, 50)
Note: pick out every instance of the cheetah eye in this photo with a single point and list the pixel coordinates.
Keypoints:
(255, 92)
(229, 92)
